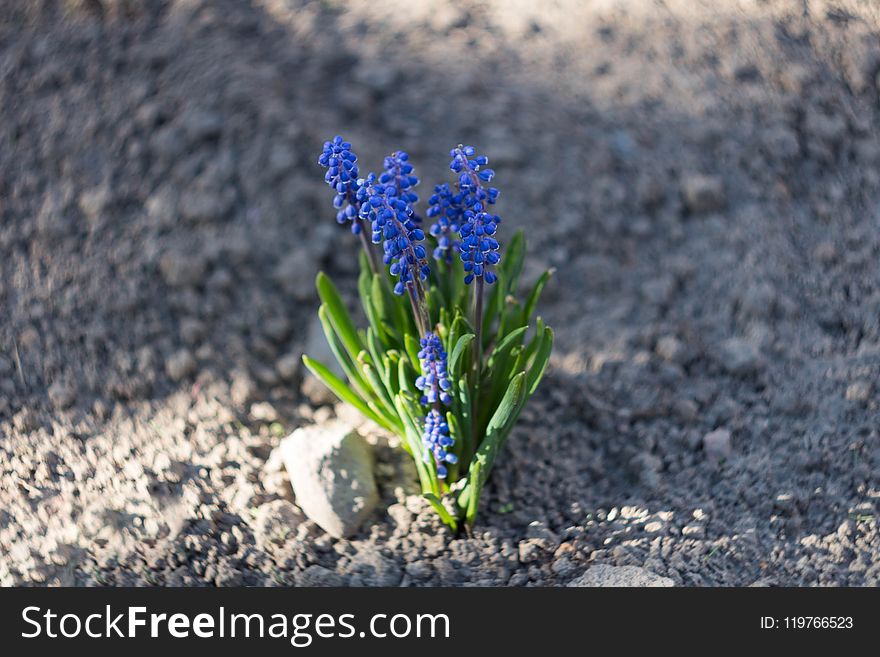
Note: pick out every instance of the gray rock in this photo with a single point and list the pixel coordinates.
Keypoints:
(192, 330)
(602, 575)
(180, 365)
(782, 142)
(717, 445)
(62, 394)
(319, 576)
(739, 356)
(659, 290)
(182, 270)
(331, 472)
(372, 569)
(94, 202)
(858, 391)
(671, 348)
(703, 193)
(199, 125)
(288, 367)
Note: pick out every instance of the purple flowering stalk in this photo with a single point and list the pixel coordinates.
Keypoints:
(451, 352)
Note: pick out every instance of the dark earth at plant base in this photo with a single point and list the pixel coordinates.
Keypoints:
(705, 181)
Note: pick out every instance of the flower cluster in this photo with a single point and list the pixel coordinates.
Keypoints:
(433, 382)
(399, 172)
(452, 411)
(447, 207)
(479, 249)
(391, 220)
(342, 175)
(437, 442)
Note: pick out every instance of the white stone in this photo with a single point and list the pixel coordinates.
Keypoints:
(331, 471)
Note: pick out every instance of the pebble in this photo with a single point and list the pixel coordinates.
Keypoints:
(858, 391)
(671, 348)
(62, 394)
(702, 193)
(94, 202)
(739, 356)
(717, 445)
(601, 575)
(288, 366)
(182, 270)
(192, 331)
(180, 365)
(264, 412)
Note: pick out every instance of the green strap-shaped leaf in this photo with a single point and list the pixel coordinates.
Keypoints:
(342, 357)
(502, 350)
(512, 262)
(338, 315)
(535, 342)
(496, 432)
(445, 516)
(472, 501)
(457, 364)
(534, 295)
(405, 375)
(412, 349)
(385, 405)
(413, 438)
(339, 388)
(539, 365)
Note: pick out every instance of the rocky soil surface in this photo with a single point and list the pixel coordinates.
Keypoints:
(704, 176)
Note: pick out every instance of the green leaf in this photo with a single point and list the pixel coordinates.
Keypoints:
(461, 444)
(339, 388)
(338, 315)
(512, 262)
(405, 375)
(457, 365)
(536, 340)
(386, 404)
(496, 433)
(539, 365)
(412, 350)
(502, 350)
(534, 295)
(473, 499)
(413, 438)
(445, 516)
(342, 357)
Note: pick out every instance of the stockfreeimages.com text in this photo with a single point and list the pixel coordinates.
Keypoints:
(299, 629)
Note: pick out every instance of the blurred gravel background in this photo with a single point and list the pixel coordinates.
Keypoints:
(704, 176)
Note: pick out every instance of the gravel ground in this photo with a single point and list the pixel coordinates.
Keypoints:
(704, 176)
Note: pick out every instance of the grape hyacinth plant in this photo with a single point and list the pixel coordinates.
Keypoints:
(450, 353)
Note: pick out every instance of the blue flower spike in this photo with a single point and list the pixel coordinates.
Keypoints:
(342, 175)
(433, 382)
(438, 442)
(399, 173)
(392, 224)
(447, 207)
(478, 246)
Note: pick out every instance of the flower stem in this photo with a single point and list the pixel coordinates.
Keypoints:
(478, 322)
(478, 362)
(369, 251)
(418, 307)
